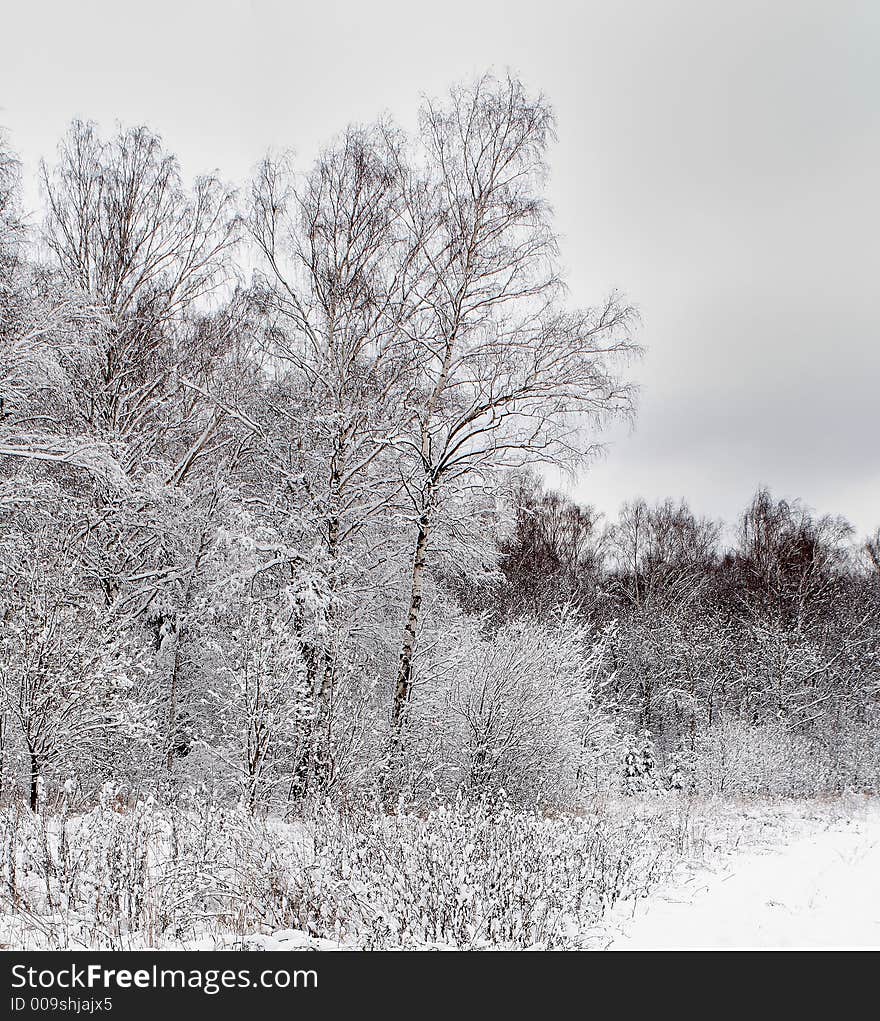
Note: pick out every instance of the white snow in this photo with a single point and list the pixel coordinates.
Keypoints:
(821, 890)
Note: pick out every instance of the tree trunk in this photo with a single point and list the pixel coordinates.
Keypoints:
(320, 771)
(35, 780)
(173, 663)
(405, 669)
(328, 653)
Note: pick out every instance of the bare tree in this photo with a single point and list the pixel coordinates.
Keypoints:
(128, 234)
(343, 272)
(147, 253)
(664, 553)
(503, 373)
(551, 554)
(788, 558)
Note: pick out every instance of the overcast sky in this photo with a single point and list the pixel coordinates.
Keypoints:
(716, 161)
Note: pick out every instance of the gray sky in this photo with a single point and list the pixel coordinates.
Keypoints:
(716, 161)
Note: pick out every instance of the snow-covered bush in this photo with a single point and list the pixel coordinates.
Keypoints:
(516, 708)
(736, 758)
(471, 873)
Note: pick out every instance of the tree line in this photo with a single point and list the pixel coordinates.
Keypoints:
(756, 646)
(267, 513)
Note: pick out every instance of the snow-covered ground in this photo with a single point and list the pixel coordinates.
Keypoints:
(821, 890)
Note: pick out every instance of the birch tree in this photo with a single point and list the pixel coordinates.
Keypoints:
(341, 289)
(148, 254)
(127, 233)
(503, 372)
